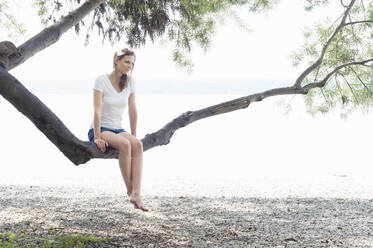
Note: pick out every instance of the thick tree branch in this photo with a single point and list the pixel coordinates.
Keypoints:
(47, 122)
(52, 34)
(318, 62)
(163, 136)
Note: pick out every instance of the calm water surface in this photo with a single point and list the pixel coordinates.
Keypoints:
(256, 151)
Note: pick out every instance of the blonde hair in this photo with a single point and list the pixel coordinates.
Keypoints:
(125, 79)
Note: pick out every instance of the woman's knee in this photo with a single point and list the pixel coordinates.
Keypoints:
(124, 146)
(136, 146)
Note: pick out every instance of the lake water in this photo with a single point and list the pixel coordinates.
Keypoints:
(258, 151)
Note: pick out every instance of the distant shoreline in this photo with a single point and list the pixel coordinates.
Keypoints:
(168, 86)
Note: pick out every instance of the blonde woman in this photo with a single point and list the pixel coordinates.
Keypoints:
(111, 95)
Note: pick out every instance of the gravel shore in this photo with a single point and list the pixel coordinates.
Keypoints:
(187, 221)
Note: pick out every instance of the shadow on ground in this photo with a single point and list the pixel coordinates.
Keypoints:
(184, 221)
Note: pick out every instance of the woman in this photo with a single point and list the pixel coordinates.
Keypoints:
(111, 95)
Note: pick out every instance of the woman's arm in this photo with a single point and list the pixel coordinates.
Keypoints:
(97, 106)
(132, 111)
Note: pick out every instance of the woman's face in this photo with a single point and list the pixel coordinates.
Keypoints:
(125, 64)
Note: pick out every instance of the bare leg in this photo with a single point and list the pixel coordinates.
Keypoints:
(136, 166)
(125, 166)
(124, 146)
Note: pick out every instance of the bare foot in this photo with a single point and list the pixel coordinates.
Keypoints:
(137, 202)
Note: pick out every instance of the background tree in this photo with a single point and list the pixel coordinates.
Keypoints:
(334, 51)
(8, 22)
(340, 52)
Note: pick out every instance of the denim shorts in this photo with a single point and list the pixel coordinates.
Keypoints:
(91, 134)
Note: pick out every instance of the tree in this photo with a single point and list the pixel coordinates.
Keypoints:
(340, 50)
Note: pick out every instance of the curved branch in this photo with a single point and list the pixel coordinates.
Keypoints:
(342, 3)
(318, 62)
(351, 89)
(52, 34)
(47, 122)
(358, 22)
(163, 136)
(322, 83)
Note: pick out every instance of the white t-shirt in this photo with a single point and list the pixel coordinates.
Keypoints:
(113, 103)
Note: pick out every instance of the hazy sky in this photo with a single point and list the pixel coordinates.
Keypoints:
(235, 53)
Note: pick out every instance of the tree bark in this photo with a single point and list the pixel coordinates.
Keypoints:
(163, 136)
(44, 119)
(52, 34)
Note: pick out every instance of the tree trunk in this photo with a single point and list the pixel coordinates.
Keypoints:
(44, 119)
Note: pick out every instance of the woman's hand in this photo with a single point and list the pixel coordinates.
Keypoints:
(101, 144)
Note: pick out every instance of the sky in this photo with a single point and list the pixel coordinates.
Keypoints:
(262, 53)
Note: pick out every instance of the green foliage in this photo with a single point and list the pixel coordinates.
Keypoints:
(11, 240)
(311, 4)
(41, 5)
(74, 241)
(185, 23)
(9, 24)
(261, 5)
(351, 87)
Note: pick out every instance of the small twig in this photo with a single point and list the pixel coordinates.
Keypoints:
(352, 90)
(317, 73)
(369, 66)
(336, 47)
(353, 33)
(338, 86)
(361, 81)
(344, 5)
(11, 19)
(365, 14)
(291, 99)
(322, 92)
